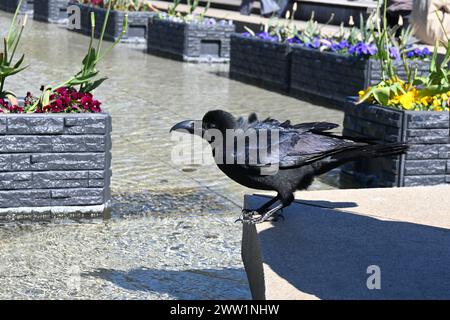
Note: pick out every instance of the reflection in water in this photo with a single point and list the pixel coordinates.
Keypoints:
(158, 206)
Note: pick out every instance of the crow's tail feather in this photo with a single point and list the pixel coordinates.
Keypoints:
(383, 150)
(367, 151)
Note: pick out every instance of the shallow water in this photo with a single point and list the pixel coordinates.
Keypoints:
(171, 224)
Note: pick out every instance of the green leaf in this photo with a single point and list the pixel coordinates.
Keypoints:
(382, 95)
(93, 85)
(19, 62)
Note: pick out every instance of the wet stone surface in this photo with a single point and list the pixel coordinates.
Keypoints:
(170, 224)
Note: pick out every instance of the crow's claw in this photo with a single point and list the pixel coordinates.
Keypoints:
(248, 212)
(247, 215)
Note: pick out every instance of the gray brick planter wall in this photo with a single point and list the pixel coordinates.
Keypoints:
(54, 11)
(11, 5)
(59, 163)
(335, 77)
(189, 42)
(137, 24)
(426, 163)
(263, 63)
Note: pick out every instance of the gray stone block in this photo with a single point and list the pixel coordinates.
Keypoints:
(2, 125)
(86, 125)
(35, 125)
(137, 24)
(53, 160)
(54, 11)
(425, 167)
(62, 143)
(427, 133)
(260, 62)
(189, 42)
(340, 76)
(11, 5)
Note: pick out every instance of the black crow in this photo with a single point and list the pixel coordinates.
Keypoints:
(303, 151)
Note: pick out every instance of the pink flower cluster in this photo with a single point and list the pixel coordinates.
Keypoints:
(64, 100)
(95, 2)
(70, 100)
(6, 106)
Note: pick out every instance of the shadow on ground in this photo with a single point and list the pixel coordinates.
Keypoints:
(326, 253)
(180, 284)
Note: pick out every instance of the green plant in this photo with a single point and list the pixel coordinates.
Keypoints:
(205, 10)
(86, 77)
(7, 65)
(190, 14)
(355, 34)
(123, 5)
(430, 92)
(192, 5)
(172, 9)
(311, 30)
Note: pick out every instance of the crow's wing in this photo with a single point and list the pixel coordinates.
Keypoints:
(311, 147)
(297, 144)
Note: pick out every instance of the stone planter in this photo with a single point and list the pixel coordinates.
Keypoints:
(137, 24)
(11, 5)
(53, 164)
(334, 77)
(189, 42)
(260, 62)
(426, 163)
(54, 11)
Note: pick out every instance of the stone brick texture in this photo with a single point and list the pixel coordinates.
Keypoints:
(54, 11)
(427, 161)
(335, 76)
(263, 63)
(189, 42)
(137, 24)
(11, 5)
(55, 160)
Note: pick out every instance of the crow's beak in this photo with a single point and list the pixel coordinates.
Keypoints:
(188, 126)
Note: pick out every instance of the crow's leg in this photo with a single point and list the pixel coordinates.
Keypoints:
(248, 213)
(264, 207)
(269, 213)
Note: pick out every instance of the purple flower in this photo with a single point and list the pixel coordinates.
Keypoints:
(267, 36)
(293, 40)
(394, 53)
(425, 52)
(343, 44)
(362, 49)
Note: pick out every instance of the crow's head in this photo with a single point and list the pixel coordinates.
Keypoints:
(215, 119)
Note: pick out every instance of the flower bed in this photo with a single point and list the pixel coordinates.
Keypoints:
(191, 42)
(427, 162)
(137, 23)
(10, 5)
(335, 76)
(261, 62)
(55, 161)
(54, 11)
(55, 148)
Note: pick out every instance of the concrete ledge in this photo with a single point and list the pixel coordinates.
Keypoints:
(43, 213)
(329, 239)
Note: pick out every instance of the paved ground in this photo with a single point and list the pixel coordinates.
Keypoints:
(170, 224)
(390, 243)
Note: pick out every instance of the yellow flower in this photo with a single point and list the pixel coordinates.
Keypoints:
(438, 109)
(437, 103)
(361, 93)
(407, 100)
(444, 96)
(425, 101)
